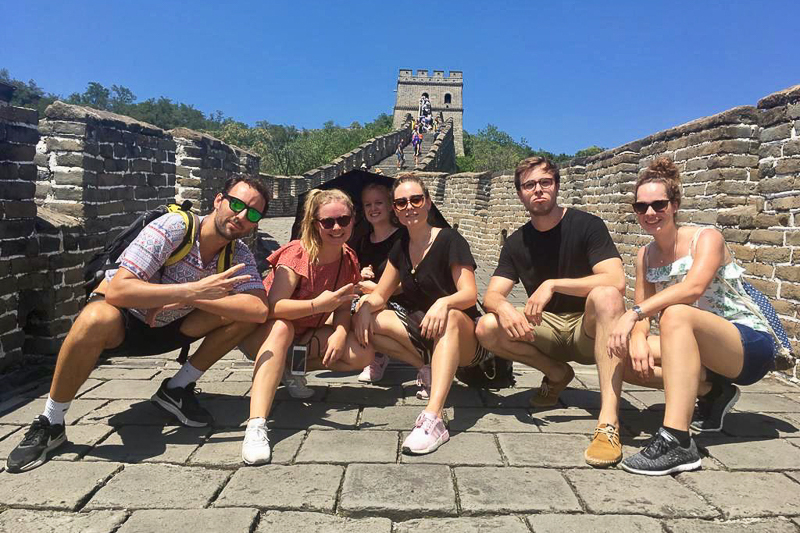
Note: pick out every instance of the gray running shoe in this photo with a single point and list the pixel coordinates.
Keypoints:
(663, 455)
(709, 413)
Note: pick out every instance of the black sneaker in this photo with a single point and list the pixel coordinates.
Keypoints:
(41, 437)
(709, 413)
(182, 402)
(663, 455)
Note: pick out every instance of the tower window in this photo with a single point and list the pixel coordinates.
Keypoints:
(447, 98)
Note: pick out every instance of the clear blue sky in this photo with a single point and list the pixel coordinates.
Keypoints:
(563, 75)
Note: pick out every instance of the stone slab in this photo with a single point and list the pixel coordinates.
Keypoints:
(572, 420)
(222, 389)
(762, 425)
(392, 417)
(513, 490)
(327, 377)
(291, 488)
(149, 444)
(297, 522)
(6, 431)
(545, 450)
(464, 448)
(158, 486)
(229, 412)
(343, 447)
(223, 448)
(510, 397)
(483, 524)
(559, 523)
(590, 399)
(28, 521)
(129, 412)
(24, 413)
(654, 496)
(490, 420)
(240, 375)
(650, 399)
(123, 389)
(36, 488)
(745, 454)
(459, 396)
(773, 384)
(365, 394)
(398, 491)
(299, 415)
(687, 525)
(759, 402)
(746, 494)
(107, 372)
(527, 378)
(191, 521)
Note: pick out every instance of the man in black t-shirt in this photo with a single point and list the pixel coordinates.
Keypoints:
(573, 276)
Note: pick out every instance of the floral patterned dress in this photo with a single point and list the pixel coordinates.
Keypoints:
(717, 298)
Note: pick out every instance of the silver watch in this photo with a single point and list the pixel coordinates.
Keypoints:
(639, 314)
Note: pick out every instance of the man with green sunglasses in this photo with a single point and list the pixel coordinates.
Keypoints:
(168, 292)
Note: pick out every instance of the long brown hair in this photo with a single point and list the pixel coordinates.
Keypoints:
(309, 233)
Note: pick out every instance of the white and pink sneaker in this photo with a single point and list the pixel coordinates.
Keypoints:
(428, 434)
(424, 383)
(374, 372)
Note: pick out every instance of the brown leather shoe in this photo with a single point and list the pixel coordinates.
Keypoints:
(605, 449)
(548, 392)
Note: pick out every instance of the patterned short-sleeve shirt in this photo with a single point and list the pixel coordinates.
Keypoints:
(146, 256)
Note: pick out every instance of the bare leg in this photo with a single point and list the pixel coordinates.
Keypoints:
(392, 339)
(98, 327)
(355, 356)
(269, 343)
(495, 339)
(691, 339)
(455, 348)
(221, 335)
(603, 306)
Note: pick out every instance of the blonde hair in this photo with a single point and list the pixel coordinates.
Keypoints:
(309, 233)
(387, 192)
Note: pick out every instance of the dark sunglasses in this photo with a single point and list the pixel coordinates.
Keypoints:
(415, 200)
(658, 206)
(328, 223)
(237, 206)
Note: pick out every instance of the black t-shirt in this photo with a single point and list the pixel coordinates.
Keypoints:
(569, 250)
(432, 278)
(376, 253)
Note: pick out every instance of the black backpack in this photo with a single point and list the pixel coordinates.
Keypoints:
(107, 259)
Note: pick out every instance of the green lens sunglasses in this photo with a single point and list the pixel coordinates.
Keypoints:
(253, 214)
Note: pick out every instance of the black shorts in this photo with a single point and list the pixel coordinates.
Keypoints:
(412, 319)
(141, 339)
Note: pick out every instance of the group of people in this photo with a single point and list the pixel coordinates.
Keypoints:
(406, 290)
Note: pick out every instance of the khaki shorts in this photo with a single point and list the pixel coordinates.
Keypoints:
(562, 337)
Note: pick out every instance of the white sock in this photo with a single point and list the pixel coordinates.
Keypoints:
(187, 374)
(54, 411)
(258, 421)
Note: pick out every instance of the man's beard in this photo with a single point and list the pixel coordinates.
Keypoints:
(220, 224)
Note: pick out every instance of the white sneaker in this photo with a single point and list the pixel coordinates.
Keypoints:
(255, 448)
(374, 372)
(296, 385)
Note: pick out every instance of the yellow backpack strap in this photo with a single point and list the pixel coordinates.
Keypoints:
(188, 239)
(226, 257)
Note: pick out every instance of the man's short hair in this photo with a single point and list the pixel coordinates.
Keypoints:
(531, 163)
(254, 182)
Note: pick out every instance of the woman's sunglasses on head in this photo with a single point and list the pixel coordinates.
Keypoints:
(415, 201)
(329, 222)
(237, 206)
(658, 206)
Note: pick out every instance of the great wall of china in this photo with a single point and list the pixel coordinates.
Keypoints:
(70, 179)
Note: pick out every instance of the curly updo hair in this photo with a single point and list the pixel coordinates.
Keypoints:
(662, 170)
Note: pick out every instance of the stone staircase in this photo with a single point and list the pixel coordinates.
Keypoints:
(388, 166)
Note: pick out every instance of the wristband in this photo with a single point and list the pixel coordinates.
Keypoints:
(639, 314)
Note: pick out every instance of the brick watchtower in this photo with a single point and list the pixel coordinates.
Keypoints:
(445, 94)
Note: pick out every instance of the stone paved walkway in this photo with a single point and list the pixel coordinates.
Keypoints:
(337, 465)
